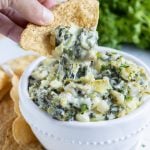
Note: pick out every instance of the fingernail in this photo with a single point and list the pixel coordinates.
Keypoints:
(48, 16)
(52, 3)
(57, 2)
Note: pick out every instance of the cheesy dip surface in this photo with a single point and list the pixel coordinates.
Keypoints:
(82, 84)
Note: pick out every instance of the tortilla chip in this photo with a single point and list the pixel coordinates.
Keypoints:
(11, 144)
(4, 84)
(6, 111)
(10, 119)
(84, 13)
(7, 141)
(22, 132)
(14, 94)
(7, 116)
(3, 132)
(4, 79)
(20, 64)
(5, 90)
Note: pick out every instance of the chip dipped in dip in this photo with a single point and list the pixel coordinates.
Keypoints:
(80, 83)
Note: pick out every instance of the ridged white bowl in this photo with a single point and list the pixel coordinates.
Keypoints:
(119, 134)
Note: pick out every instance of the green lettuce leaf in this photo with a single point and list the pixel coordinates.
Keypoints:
(124, 21)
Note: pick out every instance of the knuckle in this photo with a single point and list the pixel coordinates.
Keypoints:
(5, 4)
(8, 12)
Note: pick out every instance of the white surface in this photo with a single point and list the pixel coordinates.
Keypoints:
(9, 50)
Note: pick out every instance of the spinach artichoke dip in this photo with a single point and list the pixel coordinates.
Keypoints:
(80, 83)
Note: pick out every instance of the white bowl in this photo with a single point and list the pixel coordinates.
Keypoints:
(119, 134)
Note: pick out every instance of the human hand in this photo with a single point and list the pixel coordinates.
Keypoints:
(15, 14)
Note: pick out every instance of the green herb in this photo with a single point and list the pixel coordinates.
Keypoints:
(98, 55)
(126, 21)
(84, 108)
(124, 65)
(104, 67)
(128, 98)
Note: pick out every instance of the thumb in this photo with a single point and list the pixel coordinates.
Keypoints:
(33, 11)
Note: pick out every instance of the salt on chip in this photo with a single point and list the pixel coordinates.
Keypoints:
(84, 13)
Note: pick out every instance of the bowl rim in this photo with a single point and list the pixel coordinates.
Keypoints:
(23, 92)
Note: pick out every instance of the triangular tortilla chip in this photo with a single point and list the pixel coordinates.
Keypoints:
(84, 13)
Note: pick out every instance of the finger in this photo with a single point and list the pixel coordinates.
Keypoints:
(48, 3)
(33, 11)
(14, 16)
(4, 4)
(10, 29)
